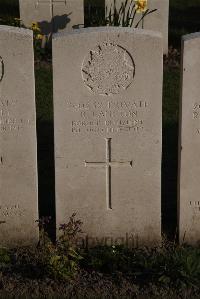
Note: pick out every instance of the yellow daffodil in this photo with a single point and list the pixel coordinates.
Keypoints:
(35, 26)
(140, 6)
(39, 36)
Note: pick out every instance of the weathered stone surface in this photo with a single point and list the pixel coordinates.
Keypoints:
(189, 167)
(18, 174)
(52, 15)
(107, 105)
(157, 21)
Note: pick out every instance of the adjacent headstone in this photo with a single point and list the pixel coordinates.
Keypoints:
(189, 202)
(18, 168)
(108, 105)
(157, 21)
(52, 15)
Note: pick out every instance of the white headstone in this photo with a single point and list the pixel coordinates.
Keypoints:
(108, 105)
(52, 15)
(157, 21)
(18, 166)
(189, 167)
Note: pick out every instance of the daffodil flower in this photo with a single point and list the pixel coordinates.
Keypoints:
(39, 36)
(35, 26)
(140, 6)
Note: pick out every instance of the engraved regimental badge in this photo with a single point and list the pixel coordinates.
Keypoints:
(1, 69)
(108, 69)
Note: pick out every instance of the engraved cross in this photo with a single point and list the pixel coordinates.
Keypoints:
(108, 164)
(51, 4)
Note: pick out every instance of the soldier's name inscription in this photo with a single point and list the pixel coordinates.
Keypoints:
(107, 116)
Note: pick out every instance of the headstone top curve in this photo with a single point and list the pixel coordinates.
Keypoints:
(191, 36)
(16, 30)
(109, 29)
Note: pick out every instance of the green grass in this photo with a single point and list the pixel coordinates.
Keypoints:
(168, 271)
(44, 94)
(168, 266)
(171, 96)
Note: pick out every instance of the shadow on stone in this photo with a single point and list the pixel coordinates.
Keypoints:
(61, 22)
(57, 23)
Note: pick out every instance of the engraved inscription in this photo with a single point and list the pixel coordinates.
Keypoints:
(195, 205)
(108, 69)
(196, 111)
(8, 120)
(107, 116)
(196, 117)
(1, 68)
(9, 211)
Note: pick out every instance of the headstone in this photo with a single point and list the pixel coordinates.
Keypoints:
(157, 21)
(18, 170)
(52, 15)
(107, 105)
(189, 202)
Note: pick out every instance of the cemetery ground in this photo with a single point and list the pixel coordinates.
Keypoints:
(63, 270)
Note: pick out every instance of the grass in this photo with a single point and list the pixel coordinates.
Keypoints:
(171, 96)
(44, 94)
(168, 272)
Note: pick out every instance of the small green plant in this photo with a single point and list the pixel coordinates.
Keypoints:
(5, 259)
(10, 21)
(39, 42)
(125, 16)
(61, 260)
